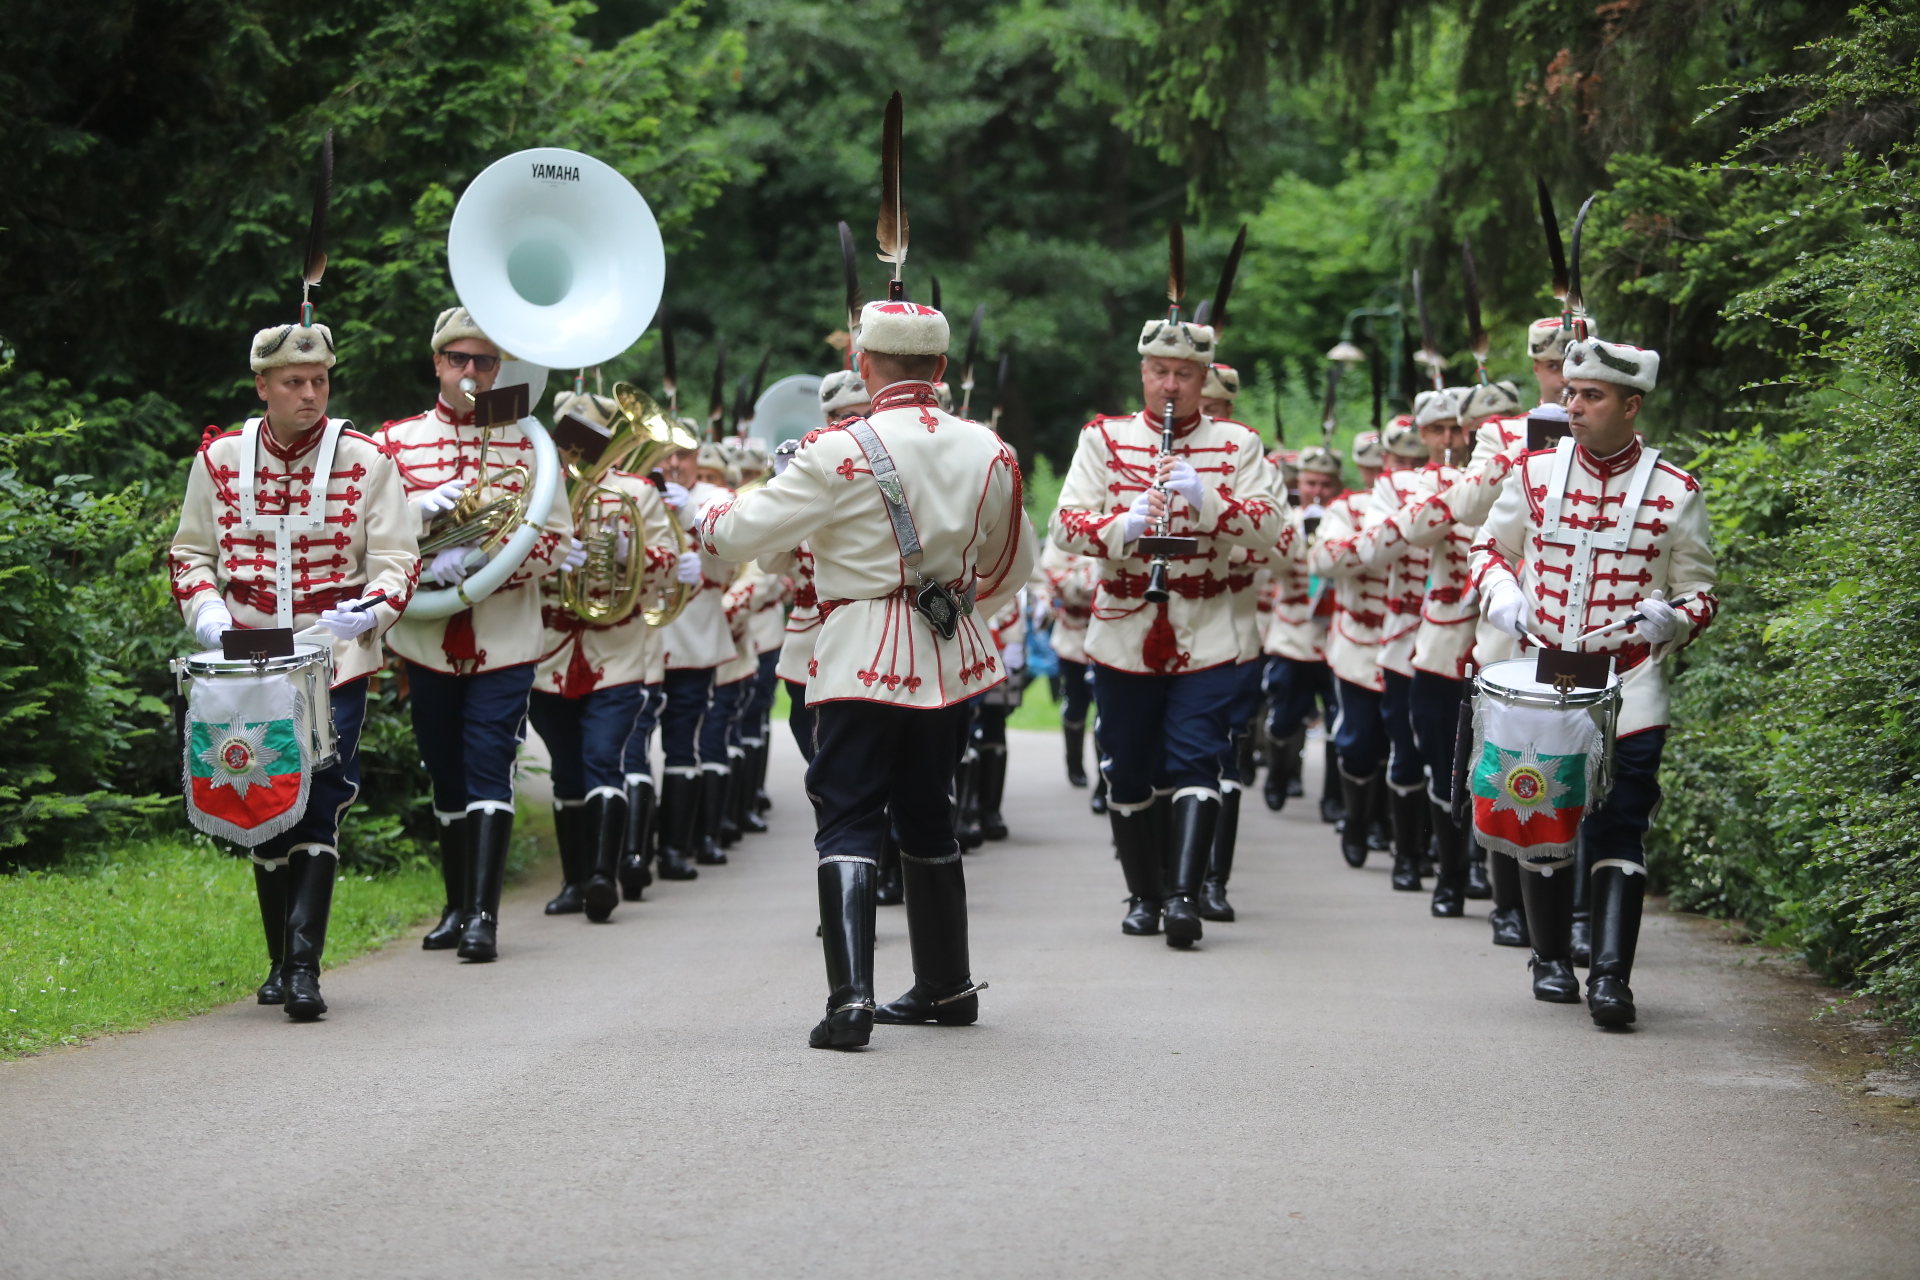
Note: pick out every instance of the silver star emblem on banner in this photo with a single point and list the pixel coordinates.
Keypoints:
(1526, 785)
(239, 757)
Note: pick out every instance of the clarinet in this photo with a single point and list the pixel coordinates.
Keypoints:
(1159, 544)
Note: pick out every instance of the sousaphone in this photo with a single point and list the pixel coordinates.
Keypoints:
(559, 260)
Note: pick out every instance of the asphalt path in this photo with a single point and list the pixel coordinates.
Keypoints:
(1335, 1085)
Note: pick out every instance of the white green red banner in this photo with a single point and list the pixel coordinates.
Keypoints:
(1534, 770)
(246, 775)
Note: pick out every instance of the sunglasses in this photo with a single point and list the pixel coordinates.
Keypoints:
(481, 364)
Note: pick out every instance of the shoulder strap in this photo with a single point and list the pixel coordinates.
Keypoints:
(887, 478)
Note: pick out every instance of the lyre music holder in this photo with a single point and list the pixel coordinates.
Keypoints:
(502, 405)
(1567, 671)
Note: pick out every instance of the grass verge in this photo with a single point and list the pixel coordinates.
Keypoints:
(164, 928)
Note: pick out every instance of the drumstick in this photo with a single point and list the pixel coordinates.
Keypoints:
(316, 630)
(1630, 619)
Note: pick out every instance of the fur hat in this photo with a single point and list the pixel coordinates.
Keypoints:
(291, 344)
(903, 329)
(1546, 340)
(1403, 438)
(1493, 400)
(454, 324)
(752, 455)
(1177, 340)
(841, 390)
(1430, 407)
(1368, 451)
(1634, 368)
(1321, 459)
(713, 457)
(1223, 383)
(598, 410)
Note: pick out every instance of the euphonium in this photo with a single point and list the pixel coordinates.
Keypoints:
(490, 508)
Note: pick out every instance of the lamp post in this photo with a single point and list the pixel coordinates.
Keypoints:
(1349, 351)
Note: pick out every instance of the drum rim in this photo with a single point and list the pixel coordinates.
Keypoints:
(1539, 696)
(214, 663)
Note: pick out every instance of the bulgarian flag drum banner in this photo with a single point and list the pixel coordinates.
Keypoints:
(246, 775)
(1533, 772)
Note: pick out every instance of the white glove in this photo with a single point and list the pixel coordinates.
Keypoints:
(1505, 604)
(1659, 621)
(622, 546)
(680, 501)
(434, 501)
(1138, 518)
(576, 556)
(1185, 481)
(1015, 655)
(1314, 511)
(1042, 614)
(449, 567)
(346, 623)
(689, 570)
(212, 619)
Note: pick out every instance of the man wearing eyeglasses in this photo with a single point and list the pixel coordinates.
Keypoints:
(469, 675)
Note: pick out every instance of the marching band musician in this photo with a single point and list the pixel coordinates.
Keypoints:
(720, 750)
(1071, 581)
(1296, 637)
(590, 686)
(354, 582)
(696, 644)
(1167, 671)
(1353, 644)
(916, 527)
(768, 628)
(1545, 582)
(469, 675)
(1406, 566)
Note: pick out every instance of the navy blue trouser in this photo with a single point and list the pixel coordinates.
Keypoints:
(332, 789)
(1406, 767)
(1076, 692)
(1359, 734)
(1240, 713)
(587, 737)
(1434, 708)
(800, 719)
(1292, 688)
(1163, 731)
(468, 729)
(1617, 830)
(873, 760)
(721, 729)
(689, 691)
(637, 757)
(765, 683)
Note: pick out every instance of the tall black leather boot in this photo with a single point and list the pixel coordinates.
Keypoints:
(1549, 900)
(1450, 885)
(1246, 757)
(1283, 770)
(1195, 818)
(1479, 886)
(1297, 765)
(1137, 843)
(310, 877)
(1408, 816)
(270, 886)
(1618, 897)
(1380, 814)
(1226, 833)
(1509, 916)
(727, 830)
(636, 850)
(758, 754)
(489, 834)
(943, 989)
(1354, 793)
(1333, 792)
(603, 829)
(570, 832)
(1076, 742)
(707, 850)
(993, 787)
(846, 937)
(445, 936)
(1582, 905)
(748, 812)
(889, 890)
(679, 819)
(1097, 802)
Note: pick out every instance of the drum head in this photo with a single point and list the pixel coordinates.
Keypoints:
(1515, 676)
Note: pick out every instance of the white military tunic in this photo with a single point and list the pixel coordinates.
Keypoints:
(1298, 617)
(368, 544)
(803, 620)
(1359, 592)
(700, 638)
(1073, 580)
(503, 630)
(1558, 551)
(1115, 462)
(962, 485)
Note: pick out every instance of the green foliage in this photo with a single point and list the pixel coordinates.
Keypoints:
(164, 929)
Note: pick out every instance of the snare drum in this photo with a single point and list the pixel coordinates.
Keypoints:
(1539, 761)
(1511, 683)
(309, 670)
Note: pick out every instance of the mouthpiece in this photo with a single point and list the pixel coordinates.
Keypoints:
(469, 386)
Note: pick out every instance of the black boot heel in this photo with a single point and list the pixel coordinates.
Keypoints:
(848, 1027)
